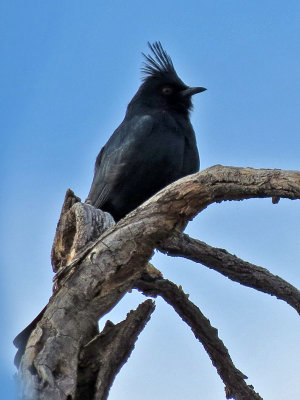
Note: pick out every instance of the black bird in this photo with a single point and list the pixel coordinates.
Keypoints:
(155, 144)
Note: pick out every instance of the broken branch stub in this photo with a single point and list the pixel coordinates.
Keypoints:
(78, 225)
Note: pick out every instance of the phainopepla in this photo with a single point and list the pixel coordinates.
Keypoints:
(155, 144)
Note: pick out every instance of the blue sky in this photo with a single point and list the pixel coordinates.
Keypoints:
(68, 71)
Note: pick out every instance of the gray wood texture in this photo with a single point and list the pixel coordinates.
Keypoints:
(62, 355)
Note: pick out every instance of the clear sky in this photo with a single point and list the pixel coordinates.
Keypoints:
(68, 71)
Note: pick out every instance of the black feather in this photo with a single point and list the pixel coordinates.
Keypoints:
(159, 63)
(154, 145)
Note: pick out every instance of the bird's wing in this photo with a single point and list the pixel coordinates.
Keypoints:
(115, 156)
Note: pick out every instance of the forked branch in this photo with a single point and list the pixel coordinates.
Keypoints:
(94, 273)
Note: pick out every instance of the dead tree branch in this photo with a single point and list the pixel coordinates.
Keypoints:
(234, 268)
(94, 273)
(101, 359)
(234, 380)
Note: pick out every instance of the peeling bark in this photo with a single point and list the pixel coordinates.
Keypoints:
(98, 262)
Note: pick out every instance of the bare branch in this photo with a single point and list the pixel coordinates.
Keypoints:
(232, 267)
(179, 202)
(235, 385)
(188, 196)
(101, 272)
(114, 345)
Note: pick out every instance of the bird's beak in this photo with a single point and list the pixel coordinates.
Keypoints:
(191, 91)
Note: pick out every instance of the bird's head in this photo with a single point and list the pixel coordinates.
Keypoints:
(162, 88)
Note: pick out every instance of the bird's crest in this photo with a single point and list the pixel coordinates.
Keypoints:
(159, 62)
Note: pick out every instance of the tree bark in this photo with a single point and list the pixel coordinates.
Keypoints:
(101, 359)
(229, 265)
(235, 385)
(97, 265)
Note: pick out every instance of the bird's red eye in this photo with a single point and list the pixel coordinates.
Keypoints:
(167, 90)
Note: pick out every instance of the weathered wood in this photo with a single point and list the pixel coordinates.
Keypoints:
(78, 225)
(64, 234)
(101, 359)
(234, 380)
(234, 268)
(98, 273)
